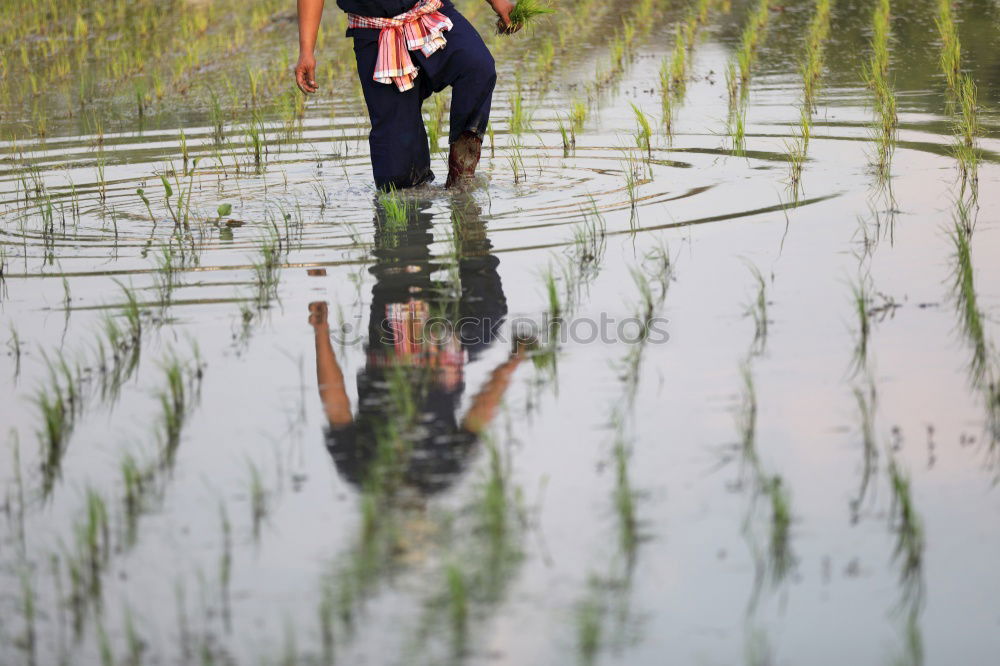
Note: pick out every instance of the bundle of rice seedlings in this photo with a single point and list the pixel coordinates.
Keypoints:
(524, 12)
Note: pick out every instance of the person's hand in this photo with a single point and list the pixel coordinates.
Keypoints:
(305, 73)
(503, 8)
(318, 315)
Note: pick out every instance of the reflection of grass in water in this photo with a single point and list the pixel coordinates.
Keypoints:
(258, 498)
(781, 521)
(60, 403)
(909, 531)
(967, 302)
(174, 404)
(137, 483)
(624, 496)
(746, 418)
(758, 310)
(866, 400)
(27, 641)
(861, 299)
(589, 621)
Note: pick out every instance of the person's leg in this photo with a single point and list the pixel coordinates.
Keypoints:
(468, 67)
(398, 140)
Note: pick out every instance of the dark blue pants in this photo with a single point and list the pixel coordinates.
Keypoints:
(398, 140)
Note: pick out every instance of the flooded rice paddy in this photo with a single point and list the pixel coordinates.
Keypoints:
(704, 371)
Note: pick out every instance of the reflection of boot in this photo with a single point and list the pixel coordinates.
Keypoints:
(463, 159)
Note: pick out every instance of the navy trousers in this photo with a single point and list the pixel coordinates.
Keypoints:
(398, 139)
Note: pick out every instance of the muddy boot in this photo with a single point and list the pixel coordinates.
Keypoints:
(463, 160)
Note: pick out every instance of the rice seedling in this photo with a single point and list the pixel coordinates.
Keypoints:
(951, 48)
(677, 77)
(165, 279)
(967, 130)
(525, 12)
(255, 134)
(666, 102)
(568, 138)
(812, 65)
(876, 75)
(396, 209)
(545, 59)
(749, 41)
(589, 238)
(439, 104)
(266, 270)
(737, 130)
(577, 115)
(643, 132)
(519, 121)
(516, 161)
(795, 153)
(632, 174)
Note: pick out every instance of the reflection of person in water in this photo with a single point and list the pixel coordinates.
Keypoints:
(420, 334)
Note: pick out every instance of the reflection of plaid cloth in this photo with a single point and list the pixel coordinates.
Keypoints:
(413, 345)
(419, 28)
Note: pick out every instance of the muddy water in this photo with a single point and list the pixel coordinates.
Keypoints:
(584, 500)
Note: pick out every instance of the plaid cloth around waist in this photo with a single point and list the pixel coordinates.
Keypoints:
(419, 28)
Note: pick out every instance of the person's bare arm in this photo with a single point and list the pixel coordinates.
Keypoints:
(486, 403)
(329, 376)
(310, 14)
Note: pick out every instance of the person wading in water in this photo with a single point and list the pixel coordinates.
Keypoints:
(405, 52)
